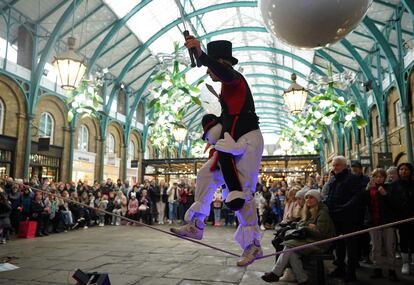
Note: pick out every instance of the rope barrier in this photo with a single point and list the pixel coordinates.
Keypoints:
(293, 249)
(344, 236)
(135, 222)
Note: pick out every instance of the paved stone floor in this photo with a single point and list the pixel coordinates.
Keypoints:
(137, 255)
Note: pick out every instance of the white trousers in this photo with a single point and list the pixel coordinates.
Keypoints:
(208, 181)
(160, 210)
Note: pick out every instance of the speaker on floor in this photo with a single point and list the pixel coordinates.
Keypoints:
(43, 144)
(84, 278)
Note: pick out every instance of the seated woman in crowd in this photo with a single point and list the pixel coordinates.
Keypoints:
(79, 212)
(65, 211)
(144, 208)
(290, 212)
(15, 199)
(5, 210)
(133, 208)
(40, 213)
(316, 224)
(117, 209)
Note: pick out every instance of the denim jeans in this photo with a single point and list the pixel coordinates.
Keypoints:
(295, 262)
(172, 211)
(217, 213)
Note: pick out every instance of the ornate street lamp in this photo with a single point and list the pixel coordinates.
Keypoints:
(295, 96)
(70, 67)
(179, 133)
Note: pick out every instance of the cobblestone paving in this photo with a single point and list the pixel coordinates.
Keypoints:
(138, 255)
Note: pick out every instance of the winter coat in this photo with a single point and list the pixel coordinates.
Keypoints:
(386, 212)
(344, 198)
(324, 229)
(5, 210)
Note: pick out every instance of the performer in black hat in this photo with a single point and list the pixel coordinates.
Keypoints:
(240, 148)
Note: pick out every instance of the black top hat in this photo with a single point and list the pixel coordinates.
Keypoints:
(208, 121)
(221, 49)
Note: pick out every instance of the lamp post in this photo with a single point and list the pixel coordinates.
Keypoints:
(70, 67)
(295, 96)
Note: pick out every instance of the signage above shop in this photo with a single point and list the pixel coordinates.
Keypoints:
(134, 163)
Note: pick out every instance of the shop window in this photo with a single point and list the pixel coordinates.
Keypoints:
(378, 126)
(140, 113)
(131, 150)
(398, 113)
(46, 126)
(2, 111)
(83, 138)
(110, 144)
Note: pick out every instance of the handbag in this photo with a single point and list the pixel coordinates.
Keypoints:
(142, 207)
(300, 233)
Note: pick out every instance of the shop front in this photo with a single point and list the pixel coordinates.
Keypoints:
(132, 171)
(7, 151)
(45, 164)
(111, 167)
(84, 166)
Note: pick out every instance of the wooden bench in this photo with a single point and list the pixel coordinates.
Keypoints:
(319, 258)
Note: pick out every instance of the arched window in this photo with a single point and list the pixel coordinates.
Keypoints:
(2, 111)
(131, 150)
(46, 126)
(83, 138)
(110, 144)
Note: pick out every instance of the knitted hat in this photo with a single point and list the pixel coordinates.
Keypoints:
(315, 194)
(208, 121)
(301, 193)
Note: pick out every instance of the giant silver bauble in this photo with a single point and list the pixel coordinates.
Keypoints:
(312, 23)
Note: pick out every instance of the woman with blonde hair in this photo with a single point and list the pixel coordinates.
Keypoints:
(315, 225)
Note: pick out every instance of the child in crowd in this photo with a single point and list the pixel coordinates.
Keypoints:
(103, 203)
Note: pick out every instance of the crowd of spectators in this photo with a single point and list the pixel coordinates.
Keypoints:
(59, 207)
(352, 201)
(345, 198)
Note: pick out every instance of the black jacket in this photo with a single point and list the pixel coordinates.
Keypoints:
(344, 199)
(386, 207)
(403, 198)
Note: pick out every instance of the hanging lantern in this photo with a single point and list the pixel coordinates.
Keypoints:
(179, 133)
(295, 96)
(70, 67)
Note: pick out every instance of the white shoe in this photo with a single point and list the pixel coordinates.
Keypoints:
(85, 227)
(288, 276)
(405, 269)
(117, 224)
(194, 229)
(250, 254)
(262, 227)
(169, 222)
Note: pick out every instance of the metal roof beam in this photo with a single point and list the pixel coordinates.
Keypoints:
(116, 44)
(117, 25)
(83, 19)
(51, 11)
(122, 58)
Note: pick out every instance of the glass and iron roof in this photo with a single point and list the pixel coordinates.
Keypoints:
(123, 37)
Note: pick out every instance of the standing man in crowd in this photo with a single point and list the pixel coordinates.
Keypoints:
(344, 201)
